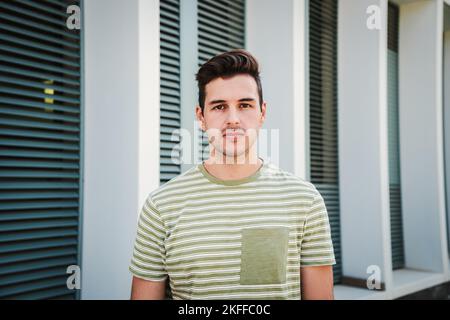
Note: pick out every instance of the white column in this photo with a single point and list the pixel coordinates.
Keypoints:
(281, 51)
(121, 142)
(363, 141)
(421, 135)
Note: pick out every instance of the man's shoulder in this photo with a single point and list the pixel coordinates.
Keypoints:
(275, 173)
(177, 183)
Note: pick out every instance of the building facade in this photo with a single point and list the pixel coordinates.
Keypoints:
(358, 95)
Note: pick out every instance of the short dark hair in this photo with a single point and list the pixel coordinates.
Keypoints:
(226, 65)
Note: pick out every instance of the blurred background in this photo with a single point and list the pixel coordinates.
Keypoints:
(358, 89)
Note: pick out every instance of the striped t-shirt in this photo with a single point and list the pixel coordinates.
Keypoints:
(232, 239)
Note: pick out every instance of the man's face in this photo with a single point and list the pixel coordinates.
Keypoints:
(232, 114)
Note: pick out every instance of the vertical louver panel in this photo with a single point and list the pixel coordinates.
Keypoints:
(398, 259)
(170, 152)
(39, 149)
(221, 27)
(323, 113)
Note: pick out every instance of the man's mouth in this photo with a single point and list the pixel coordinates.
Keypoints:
(233, 134)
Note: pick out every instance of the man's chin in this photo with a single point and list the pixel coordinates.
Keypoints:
(232, 156)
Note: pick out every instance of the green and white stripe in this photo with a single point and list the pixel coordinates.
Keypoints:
(191, 230)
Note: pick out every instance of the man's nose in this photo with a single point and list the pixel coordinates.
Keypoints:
(233, 116)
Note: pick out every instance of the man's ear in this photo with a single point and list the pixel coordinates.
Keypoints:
(200, 118)
(263, 112)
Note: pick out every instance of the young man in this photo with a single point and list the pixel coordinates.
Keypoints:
(234, 226)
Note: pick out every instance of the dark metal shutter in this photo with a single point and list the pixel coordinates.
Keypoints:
(221, 27)
(398, 257)
(323, 113)
(170, 89)
(40, 128)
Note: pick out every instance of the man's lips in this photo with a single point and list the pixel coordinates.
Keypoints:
(233, 134)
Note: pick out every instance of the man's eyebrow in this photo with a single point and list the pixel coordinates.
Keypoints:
(240, 100)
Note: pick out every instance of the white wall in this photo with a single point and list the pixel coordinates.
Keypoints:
(121, 142)
(363, 142)
(421, 135)
(280, 49)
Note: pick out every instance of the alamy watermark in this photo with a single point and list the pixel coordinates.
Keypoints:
(73, 21)
(374, 279)
(229, 146)
(373, 21)
(74, 280)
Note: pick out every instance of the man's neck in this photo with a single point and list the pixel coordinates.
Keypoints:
(232, 170)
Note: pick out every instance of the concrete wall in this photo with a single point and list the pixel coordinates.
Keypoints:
(421, 135)
(121, 137)
(363, 143)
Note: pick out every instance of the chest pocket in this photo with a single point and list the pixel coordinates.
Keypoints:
(264, 255)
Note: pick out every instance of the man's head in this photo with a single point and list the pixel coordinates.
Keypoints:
(230, 100)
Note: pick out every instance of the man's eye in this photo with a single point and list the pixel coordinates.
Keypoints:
(245, 105)
(219, 107)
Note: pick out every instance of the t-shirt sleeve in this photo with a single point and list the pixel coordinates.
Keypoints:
(149, 256)
(317, 246)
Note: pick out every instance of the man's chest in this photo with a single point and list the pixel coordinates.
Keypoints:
(227, 240)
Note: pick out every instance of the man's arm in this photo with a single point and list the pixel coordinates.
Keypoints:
(147, 290)
(317, 282)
